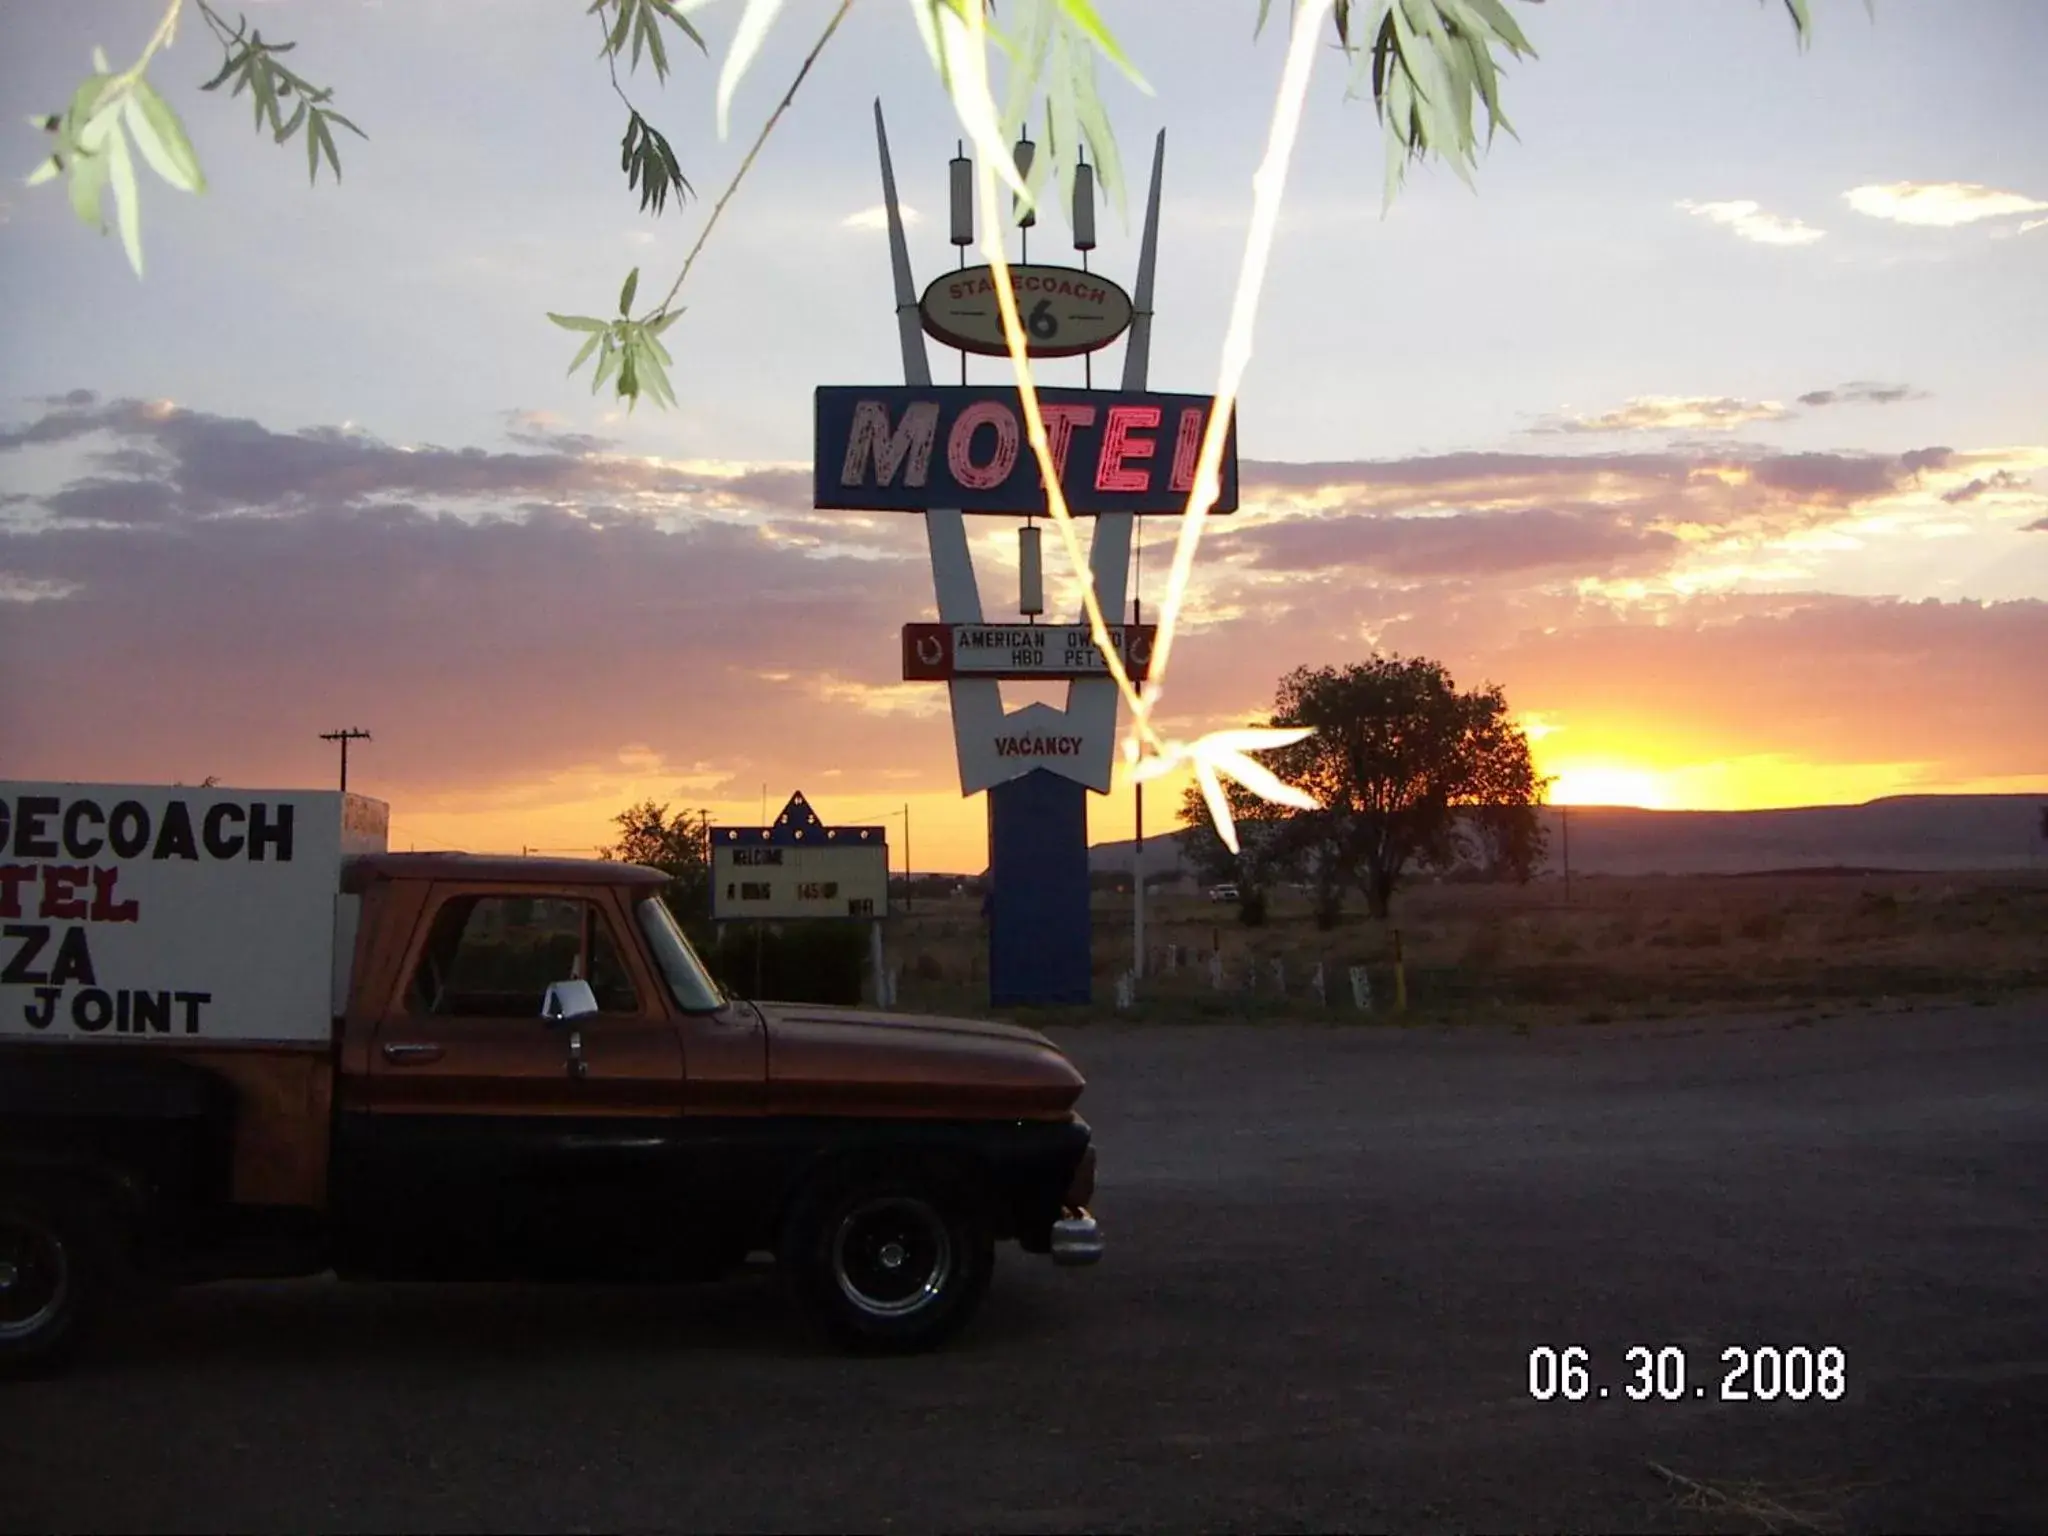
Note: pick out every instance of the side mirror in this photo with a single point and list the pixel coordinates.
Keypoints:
(568, 1001)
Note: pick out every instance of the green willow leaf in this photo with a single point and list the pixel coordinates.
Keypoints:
(626, 293)
(607, 365)
(1082, 16)
(161, 138)
(589, 346)
(127, 201)
(669, 10)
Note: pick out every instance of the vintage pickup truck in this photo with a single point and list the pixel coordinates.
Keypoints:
(239, 1039)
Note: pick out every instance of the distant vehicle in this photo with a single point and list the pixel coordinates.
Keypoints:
(1223, 893)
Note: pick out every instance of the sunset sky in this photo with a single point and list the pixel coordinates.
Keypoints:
(1713, 426)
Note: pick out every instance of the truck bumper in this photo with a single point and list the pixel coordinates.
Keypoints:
(1076, 1238)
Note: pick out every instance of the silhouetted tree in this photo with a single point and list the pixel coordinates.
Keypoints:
(1506, 842)
(676, 845)
(1263, 859)
(1399, 753)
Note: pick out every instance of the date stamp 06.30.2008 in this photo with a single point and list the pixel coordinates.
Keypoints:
(1742, 1373)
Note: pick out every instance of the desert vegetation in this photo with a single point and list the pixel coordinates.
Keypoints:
(1636, 947)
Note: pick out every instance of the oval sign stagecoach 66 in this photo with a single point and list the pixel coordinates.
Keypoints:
(1065, 311)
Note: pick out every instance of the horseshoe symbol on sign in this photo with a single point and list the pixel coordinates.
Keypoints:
(1139, 649)
(929, 651)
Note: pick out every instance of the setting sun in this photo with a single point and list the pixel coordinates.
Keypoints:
(1608, 784)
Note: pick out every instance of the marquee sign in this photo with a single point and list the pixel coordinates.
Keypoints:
(1020, 652)
(798, 868)
(912, 448)
(1065, 311)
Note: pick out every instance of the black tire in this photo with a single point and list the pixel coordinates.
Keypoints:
(59, 1264)
(889, 1261)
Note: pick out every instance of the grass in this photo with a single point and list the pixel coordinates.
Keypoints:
(1620, 948)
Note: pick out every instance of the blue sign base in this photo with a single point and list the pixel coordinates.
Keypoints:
(1038, 944)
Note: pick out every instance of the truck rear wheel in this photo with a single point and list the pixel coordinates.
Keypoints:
(57, 1264)
(890, 1262)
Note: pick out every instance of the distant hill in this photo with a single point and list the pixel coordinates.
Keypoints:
(1899, 832)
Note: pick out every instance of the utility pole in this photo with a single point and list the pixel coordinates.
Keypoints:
(906, 850)
(1564, 813)
(345, 737)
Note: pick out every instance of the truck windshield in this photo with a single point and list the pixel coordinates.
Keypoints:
(688, 981)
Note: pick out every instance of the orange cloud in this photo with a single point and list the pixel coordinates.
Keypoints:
(540, 637)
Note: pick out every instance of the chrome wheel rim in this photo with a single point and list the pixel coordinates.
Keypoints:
(35, 1277)
(891, 1256)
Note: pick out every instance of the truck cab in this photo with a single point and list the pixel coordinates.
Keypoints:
(527, 1073)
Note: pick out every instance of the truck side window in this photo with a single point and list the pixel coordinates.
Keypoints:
(494, 957)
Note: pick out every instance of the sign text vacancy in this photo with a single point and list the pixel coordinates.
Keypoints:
(906, 449)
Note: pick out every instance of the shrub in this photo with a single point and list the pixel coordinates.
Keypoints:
(792, 962)
(1762, 927)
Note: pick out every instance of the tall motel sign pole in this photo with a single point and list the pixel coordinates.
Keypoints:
(948, 452)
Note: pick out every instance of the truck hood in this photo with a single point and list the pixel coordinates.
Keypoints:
(824, 1060)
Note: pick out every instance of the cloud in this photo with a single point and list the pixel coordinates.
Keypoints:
(2038, 526)
(877, 217)
(509, 624)
(1707, 485)
(1666, 413)
(1861, 392)
(2001, 480)
(2031, 225)
(1751, 222)
(1463, 544)
(1938, 204)
(1717, 413)
(544, 429)
(222, 465)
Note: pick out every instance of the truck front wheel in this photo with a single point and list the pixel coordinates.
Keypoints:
(56, 1265)
(890, 1262)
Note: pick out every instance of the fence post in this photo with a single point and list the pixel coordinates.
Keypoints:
(1216, 970)
(1126, 992)
(1280, 977)
(1361, 989)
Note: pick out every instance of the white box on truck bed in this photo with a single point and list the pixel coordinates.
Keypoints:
(162, 913)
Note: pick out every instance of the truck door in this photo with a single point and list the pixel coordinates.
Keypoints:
(496, 1142)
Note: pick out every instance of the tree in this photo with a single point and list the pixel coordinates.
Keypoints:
(1263, 859)
(678, 846)
(1508, 841)
(1397, 754)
